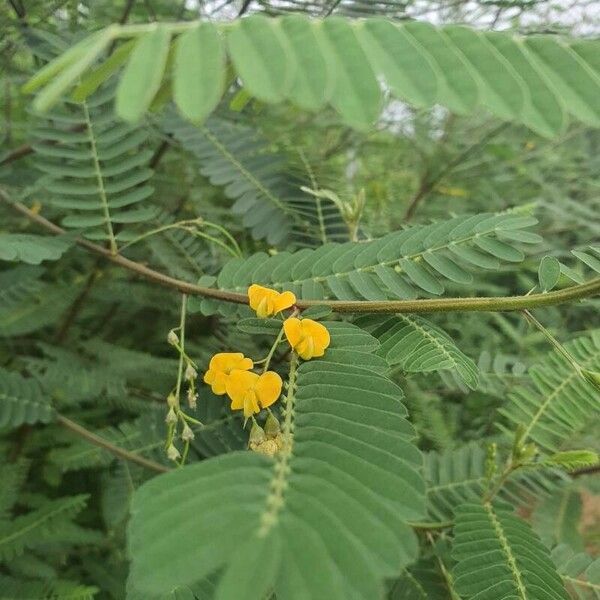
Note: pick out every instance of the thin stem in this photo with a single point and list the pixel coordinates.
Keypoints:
(425, 305)
(272, 350)
(186, 449)
(214, 240)
(557, 345)
(182, 344)
(91, 437)
(143, 236)
(430, 526)
(226, 234)
(100, 180)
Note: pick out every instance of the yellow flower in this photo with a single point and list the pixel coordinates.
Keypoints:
(267, 302)
(251, 392)
(220, 367)
(307, 337)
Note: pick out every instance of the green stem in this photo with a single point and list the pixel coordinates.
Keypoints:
(139, 238)
(186, 449)
(276, 343)
(228, 235)
(425, 305)
(557, 345)
(182, 345)
(214, 240)
(92, 438)
(100, 180)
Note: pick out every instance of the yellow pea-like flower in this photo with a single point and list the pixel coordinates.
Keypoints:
(267, 302)
(307, 337)
(251, 392)
(220, 367)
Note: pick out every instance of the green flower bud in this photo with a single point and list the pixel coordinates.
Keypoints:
(272, 427)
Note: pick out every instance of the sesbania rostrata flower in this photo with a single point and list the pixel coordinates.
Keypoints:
(251, 392)
(220, 367)
(267, 302)
(230, 372)
(307, 337)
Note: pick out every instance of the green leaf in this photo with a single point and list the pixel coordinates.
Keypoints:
(88, 52)
(312, 82)
(261, 57)
(92, 81)
(542, 111)
(143, 74)
(458, 475)
(38, 527)
(33, 249)
(344, 484)
(22, 401)
(356, 95)
(418, 346)
(199, 73)
(579, 571)
(259, 326)
(575, 83)
(458, 90)
(557, 519)
(396, 56)
(502, 91)
(559, 400)
(499, 556)
(548, 273)
(571, 460)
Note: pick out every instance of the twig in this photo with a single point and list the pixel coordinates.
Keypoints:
(245, 7)
(428, 183)
(424, 305)
(91, 437)
(16, 154)
(77, 304)
(158, 154)
(125, 15)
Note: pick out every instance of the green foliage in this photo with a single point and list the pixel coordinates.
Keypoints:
(580, 572)
(348, 471)
(95, 166)
(530, 81)
(417, 346)
(32, 249)
(558, 401)
(22, 401)
(516, 562)
(445, 453)
(402, 264)
(265, 189)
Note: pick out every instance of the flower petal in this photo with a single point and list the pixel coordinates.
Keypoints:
(293, 331)
(283, 301)
(250, 403)
(238, 383)
(224, 361)
(268, 388)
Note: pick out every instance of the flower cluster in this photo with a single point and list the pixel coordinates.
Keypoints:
(231, 372)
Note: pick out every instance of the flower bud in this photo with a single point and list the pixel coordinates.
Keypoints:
(257, 434)
(171, 417)
(187, 434)
(272, 427)
(190, 373)
(172, 401)
(592, 377)
(192, 398)
(173, 453)
(172, 338)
